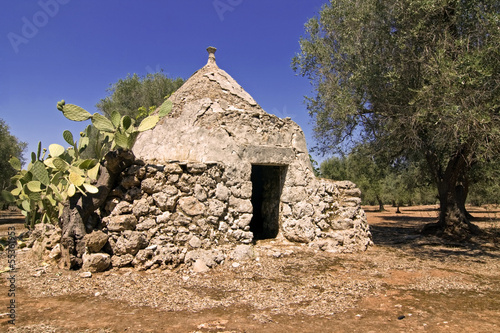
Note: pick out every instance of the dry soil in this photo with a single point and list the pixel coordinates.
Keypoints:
(404, 283)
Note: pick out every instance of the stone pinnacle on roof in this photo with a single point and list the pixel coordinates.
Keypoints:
(211, 56)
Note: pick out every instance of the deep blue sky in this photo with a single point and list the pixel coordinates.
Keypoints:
(73, 50)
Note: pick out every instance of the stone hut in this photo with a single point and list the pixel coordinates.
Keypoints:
(219, 172)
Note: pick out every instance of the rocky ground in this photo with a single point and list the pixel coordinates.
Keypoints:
(404, 283)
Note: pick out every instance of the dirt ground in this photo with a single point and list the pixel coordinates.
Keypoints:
(404, 283)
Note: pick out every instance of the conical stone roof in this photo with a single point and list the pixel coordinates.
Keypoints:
(214, 83)
(214, 119)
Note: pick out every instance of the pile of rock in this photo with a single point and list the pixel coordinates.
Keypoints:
(44, 241)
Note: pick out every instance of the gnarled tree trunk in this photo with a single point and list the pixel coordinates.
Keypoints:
(453, 217)
(79, 209)
(380, 203)
(453, 220)
(462, 190)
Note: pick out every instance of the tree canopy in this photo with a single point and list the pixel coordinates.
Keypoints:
(398, 182)
(10, 146)
(136, 96)
(418, 79)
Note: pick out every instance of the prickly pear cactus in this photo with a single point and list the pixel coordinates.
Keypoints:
(120, 131)
(56, 174)
(47, 182)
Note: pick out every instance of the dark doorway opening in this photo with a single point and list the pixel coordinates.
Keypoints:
(267, 184)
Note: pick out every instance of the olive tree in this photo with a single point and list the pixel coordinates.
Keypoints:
(136, 96)
(10, 146)
(418, 79)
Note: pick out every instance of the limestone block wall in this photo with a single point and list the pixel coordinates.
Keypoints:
(161, 212)
(164, 215)
(329, 217)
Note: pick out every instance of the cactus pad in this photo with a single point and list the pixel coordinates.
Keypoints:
(102, 123)
(148, 123)
(75, 113)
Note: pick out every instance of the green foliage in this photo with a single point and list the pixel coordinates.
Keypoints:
(73, 112)
(407, 184)
(49, 180)
(136, 96)
(410, 74)
(361, 168)
(53, 176)
(380, 181)
(314, 165)
(485, 187)
(336, 168)
(143, 112)
(9, 146)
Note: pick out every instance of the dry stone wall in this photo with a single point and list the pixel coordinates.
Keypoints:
(330, 219)
(164, 215)
(160, 213)
(200, 213)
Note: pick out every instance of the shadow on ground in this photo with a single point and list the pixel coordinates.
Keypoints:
(402, 231)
